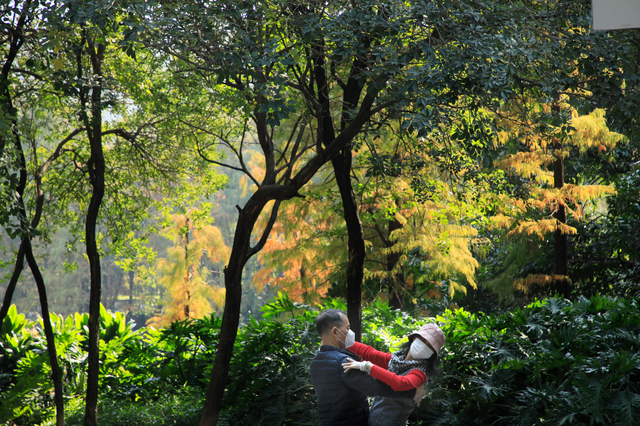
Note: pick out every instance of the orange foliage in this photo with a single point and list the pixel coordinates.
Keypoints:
(296, 258)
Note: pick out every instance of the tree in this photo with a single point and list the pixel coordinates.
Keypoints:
(419, 228)
(16, 22)
(417, 231)
(67, 80)
(544, 141)
(304, 254)
(183, 275)
(306, 80)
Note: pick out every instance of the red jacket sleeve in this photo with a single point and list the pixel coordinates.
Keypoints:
(381, 359)
(411, 380)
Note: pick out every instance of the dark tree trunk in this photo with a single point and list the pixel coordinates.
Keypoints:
(96, 168)
(562, 286)
(6, 106)
(25, 250)
(342, 167)
(11, 287)
(242, 251)
(355, 269)
(240, 254)
(56, 372)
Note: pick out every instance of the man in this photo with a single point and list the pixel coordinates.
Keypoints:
(342, 397)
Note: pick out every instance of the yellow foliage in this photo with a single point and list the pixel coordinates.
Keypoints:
(182, 275)
(540, 228)
(592, 132)
(528, 164)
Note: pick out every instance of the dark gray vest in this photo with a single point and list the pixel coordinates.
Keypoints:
(338, 404)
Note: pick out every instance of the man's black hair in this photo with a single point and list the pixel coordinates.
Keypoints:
(329, 319)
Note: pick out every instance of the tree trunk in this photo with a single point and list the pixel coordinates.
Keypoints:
(96, 168)
(131, 278)
(355, 269)
(25, 250)
(6, 107)
(240, 254)
(11, 287)
(187, 278)
(56, 372)
(242, 251)
(562, 286)
(342, 167)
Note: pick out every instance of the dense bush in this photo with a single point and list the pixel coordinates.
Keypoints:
(554, 362)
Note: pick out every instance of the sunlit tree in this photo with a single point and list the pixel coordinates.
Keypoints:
(541, 138)
(183, 273)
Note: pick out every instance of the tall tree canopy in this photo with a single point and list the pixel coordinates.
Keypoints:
(299, 81)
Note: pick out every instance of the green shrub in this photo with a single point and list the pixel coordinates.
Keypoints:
(181, 408)
(554, 362)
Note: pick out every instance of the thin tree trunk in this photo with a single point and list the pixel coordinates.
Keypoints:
(96, 168)
(25, 250)
(187, 280)
(561, 247)
(11, 287)
(396, 297)
(131, 278)
(48, 331)
(342, 168)
(15, 43)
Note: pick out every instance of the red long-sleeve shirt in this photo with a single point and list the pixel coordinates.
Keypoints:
(380, 369)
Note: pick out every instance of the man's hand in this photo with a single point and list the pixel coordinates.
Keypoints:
(420, 390)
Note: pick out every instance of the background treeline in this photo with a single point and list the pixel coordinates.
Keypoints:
(552, 362)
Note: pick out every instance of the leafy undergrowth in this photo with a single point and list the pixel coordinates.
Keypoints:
(554, 362)
(179, 409)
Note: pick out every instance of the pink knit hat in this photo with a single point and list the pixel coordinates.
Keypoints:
(432, 334)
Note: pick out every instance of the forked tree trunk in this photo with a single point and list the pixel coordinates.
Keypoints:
(242, 251)
(240, 254)
(16, 41)
(342, 169)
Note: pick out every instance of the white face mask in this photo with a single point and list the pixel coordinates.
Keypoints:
(350, 338)
(420, 350)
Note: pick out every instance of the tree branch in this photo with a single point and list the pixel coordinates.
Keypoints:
(267, 230)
